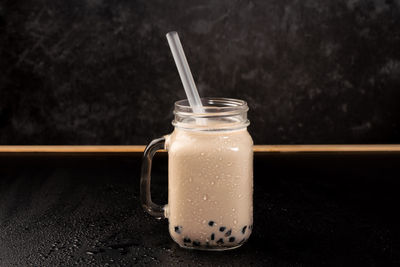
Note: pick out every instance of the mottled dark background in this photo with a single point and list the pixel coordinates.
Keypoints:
(100, 72)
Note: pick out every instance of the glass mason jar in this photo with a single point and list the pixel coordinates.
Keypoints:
(210, 176)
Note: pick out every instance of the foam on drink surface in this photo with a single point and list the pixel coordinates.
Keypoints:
(210, 187)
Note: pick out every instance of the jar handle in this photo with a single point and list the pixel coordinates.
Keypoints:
(145, 193)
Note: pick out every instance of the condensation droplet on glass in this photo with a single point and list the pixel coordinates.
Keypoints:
(240, 195)
(229, 164)
(190, 179)
(205, 197)
(220, 158)
(233, 210)
(216, 176)
(204, 221)
(202, 153)
(212, 183)
(234, 222)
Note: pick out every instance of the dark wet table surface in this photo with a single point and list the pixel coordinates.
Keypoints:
(309, 209)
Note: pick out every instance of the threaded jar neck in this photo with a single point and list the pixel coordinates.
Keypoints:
(220, 114)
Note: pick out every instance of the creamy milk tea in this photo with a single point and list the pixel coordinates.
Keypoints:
(210, 176)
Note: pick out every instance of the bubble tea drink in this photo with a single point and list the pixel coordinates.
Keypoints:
(210, 168)
(210, 175)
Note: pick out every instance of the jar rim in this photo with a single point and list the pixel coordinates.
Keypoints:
(220, 114)
(213, 106)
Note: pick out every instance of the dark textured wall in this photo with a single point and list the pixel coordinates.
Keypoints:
(100, 72)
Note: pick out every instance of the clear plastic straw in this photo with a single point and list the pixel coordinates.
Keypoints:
(185, 73)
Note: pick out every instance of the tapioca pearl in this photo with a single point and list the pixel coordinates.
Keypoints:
(212, 236)
(231, 239)
(244, 229)
(222, 228)
(220, 241)
(211, 223)
(178, 229)
(228, 233)
(196, 243)
(187, 240)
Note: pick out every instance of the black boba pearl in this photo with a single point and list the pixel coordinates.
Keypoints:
(220, 241)
(244, 229)
(231, 239)
(187, 240)
(222, 228)
(212, 236)
(196, 243)
(228, 233)
(211, 223)
(178, 229)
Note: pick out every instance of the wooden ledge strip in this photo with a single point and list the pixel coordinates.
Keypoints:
(71, 149)
(327, 148)
(257, 148)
